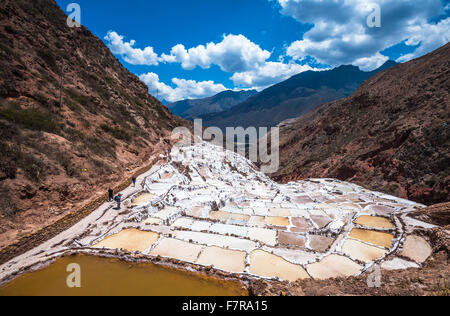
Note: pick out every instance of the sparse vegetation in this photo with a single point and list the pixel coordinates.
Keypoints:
(118, 133)
(74, 100)
(65, 162)
(101, 167)
(33, 167)
(9, 208)
(94, 144)
(9, 156)
(31, 119)
(443, 289)
(7, 131)
(44, 101)
(47, 56)
(74, 106)
(13, 158)
(44, 145)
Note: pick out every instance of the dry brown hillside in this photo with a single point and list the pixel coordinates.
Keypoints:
(53, 158)
(392, 135)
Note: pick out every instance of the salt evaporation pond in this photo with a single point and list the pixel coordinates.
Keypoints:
(202, 207)
(112, 277)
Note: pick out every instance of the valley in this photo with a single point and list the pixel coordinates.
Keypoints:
(347, 195)
(208, 210)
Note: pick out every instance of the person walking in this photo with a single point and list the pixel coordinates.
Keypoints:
(134, 181)
(110, 195)
(118, 199)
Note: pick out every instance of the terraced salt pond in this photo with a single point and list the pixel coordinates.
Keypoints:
(112, 277)
(142, 198)
(130, 239)
(201, 207)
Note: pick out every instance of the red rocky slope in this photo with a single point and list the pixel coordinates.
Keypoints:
(391, 135)
(53, 158)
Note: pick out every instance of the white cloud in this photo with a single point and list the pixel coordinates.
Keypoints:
(235, 53)
(340, 34)
(427, 37)
(131, 55)
(268, 74)
(185, 89)
(372, 62)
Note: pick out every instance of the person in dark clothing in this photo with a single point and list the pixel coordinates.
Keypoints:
(134, 181)
(110, 195)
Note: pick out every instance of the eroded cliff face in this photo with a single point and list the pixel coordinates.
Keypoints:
(392, 135)
(53, 157)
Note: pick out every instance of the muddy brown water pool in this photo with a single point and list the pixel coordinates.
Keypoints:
(113, 277)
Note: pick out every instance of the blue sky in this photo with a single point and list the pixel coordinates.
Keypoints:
(196, 48)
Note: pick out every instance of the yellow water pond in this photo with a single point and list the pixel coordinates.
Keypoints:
(113, 277)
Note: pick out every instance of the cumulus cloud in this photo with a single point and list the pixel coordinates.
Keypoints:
(131, 55)
(426, 37)
(185, 89)
(268, 74)
(370, 63)
(340, 34)
(235, 53)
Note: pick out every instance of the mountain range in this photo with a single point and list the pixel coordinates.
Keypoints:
(391, 135)
(293, 97)
(223, 101)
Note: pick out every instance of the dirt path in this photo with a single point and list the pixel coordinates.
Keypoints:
(58, 232)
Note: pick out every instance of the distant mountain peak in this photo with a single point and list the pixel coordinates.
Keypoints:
(348, 67)
(293, 97)
(387, 65)
(222, 101)
(390, 62)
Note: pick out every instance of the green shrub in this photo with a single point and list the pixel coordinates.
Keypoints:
(7, 131)
(44, 101)
(9, 156)
(66, 162)
(94, 144)
(74, 106)
(74, 99)
(31, 119)
(33, 168)
(12, 158)
(118, 133)
(101, 167)
(47, 56)
(9, 208)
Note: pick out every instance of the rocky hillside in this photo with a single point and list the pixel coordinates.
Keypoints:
(391, 135)
(293, 97)
(223, 101)
(52, 157)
